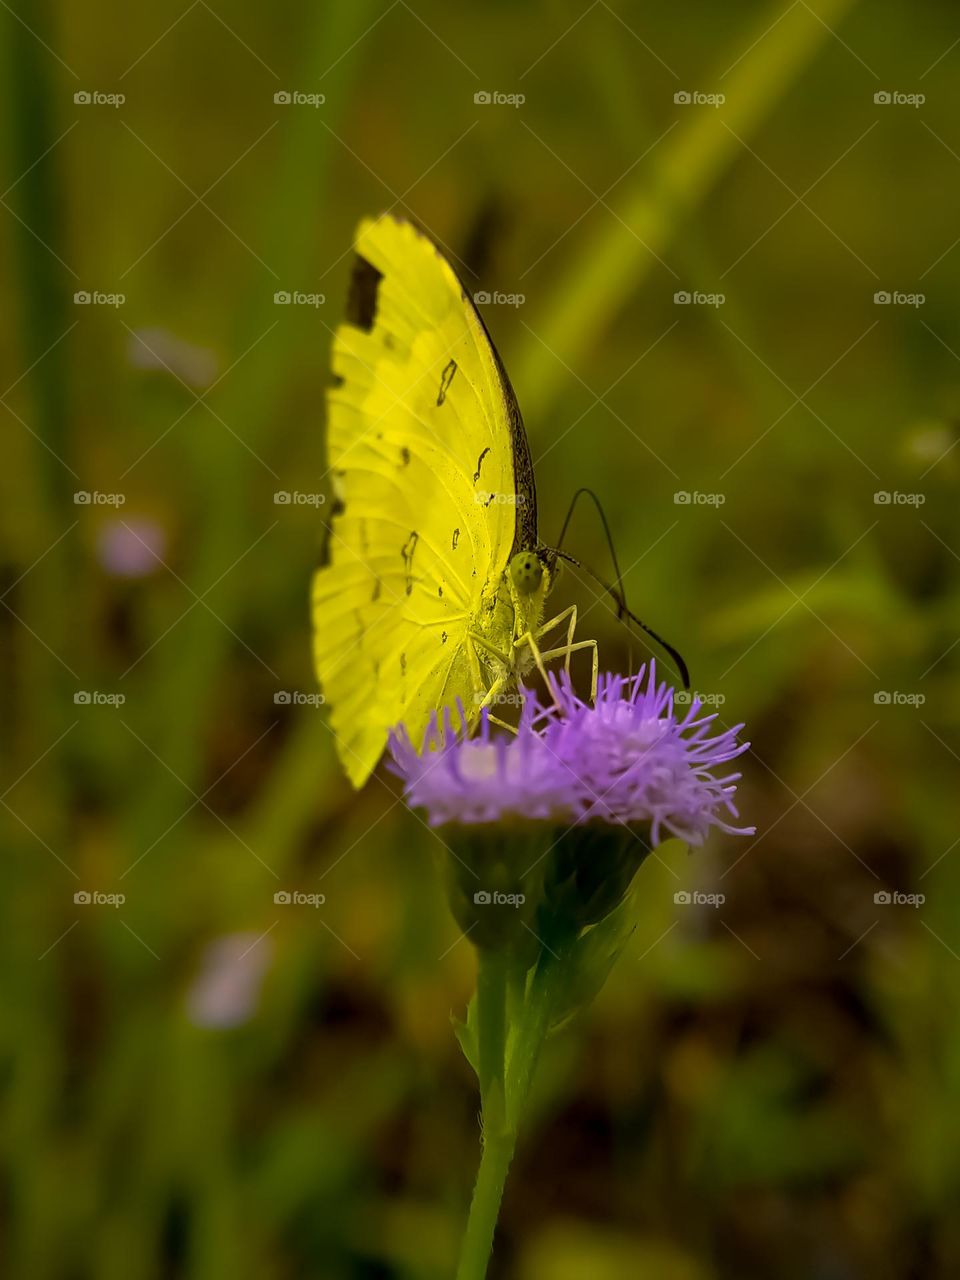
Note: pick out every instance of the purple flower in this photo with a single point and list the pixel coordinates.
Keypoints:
(628, 759)
(131, 548)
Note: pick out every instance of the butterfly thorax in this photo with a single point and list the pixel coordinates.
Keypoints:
(507, 613)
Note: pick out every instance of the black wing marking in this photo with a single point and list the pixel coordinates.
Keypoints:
(445, 379)
(361, 310)
(407, 550)
(525, 530)
(362, 297)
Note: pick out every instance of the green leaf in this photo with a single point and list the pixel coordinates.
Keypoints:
(466, 1033)
(592, 957)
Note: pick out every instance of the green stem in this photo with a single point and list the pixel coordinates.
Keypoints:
(532, 1032)
(504, 1094)
(498, 1141)
(491, 1021)
(485, 1206)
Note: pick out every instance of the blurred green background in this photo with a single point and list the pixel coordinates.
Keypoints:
(200, 1081)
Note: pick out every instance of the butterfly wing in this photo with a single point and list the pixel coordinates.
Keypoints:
(422, 428)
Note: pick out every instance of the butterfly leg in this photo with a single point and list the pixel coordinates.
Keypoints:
(530, 640)
(574, 648)
(476, 675)
(570, 617)
(492, 694)
(487, 697)
(502, 724)
(570, 614)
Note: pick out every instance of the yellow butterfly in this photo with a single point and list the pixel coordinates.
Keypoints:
(435, 580)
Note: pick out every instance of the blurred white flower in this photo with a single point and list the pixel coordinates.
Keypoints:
(226, 990)
(161, 349)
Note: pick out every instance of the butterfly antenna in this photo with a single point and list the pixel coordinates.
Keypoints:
(584, 491)
(617, 591)
(627, 615)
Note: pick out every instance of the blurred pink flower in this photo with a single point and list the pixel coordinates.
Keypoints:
(131, 548)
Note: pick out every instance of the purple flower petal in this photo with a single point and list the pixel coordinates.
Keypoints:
(626, 759)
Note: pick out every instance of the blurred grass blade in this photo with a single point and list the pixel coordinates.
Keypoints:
(613, 260)
(36, 201)
(293, 225)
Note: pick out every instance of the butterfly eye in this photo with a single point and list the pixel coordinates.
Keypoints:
(526, 572)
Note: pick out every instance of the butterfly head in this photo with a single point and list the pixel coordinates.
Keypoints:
(526, 572)
(529, 569)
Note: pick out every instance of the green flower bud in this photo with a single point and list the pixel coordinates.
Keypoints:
(588, 872)
(494, 880)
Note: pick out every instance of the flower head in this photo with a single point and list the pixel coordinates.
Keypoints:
(627, 759)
